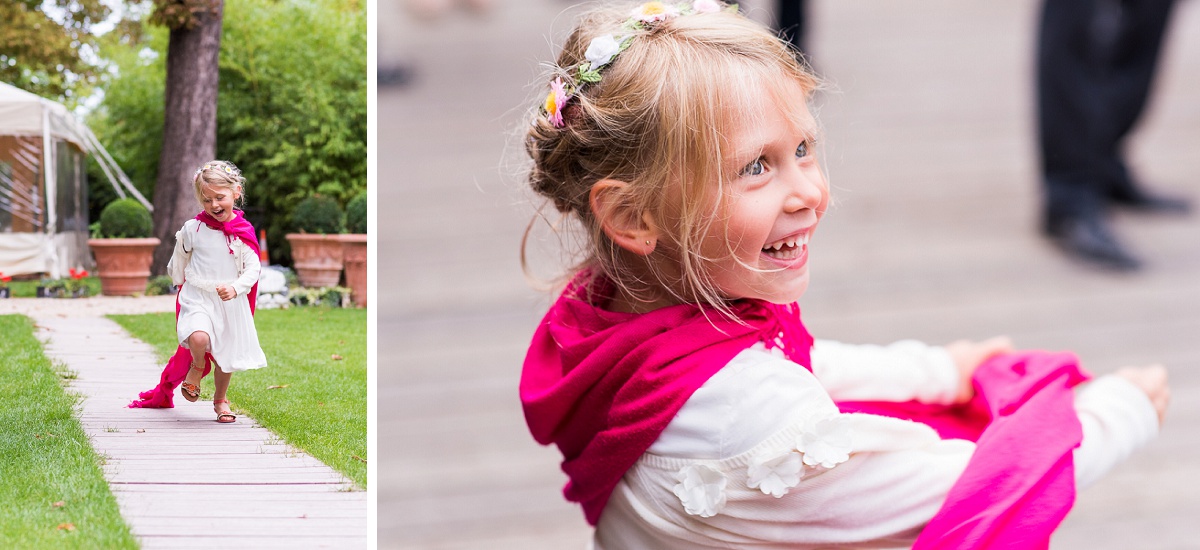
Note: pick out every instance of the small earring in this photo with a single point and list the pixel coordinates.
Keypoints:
(647, 243)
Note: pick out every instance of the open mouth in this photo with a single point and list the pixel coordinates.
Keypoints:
(789, 248)
(217, 213)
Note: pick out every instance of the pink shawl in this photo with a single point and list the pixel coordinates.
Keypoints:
(176, 369)
(602, 386)
(1020, 482)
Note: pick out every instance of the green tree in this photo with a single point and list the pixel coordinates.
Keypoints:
(40, 45)
(292, 105)
(189, 130)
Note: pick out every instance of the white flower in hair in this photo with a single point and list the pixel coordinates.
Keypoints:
(774, 475)
(826, 442)
(701, 489)
(707, 6)
(601, 50)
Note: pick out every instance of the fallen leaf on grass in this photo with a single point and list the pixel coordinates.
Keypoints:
(59, 504)
(66, 527)
(359, 458)
(279, 387)
(336, 357)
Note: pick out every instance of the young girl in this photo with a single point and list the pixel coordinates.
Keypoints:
(692, 408)
(216, 263)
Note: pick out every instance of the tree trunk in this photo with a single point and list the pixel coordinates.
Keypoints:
(189, 126)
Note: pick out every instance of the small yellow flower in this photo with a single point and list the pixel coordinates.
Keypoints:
(654, 11)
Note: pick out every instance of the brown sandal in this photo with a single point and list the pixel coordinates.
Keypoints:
(190, 391)
(224, 417)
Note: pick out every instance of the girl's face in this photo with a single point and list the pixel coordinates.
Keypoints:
(219, 201)
(773, 199)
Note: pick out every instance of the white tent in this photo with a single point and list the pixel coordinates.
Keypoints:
(43, 185)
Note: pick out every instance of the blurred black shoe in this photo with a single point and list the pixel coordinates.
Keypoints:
(393, 75)
(1145, 201)
(1087, 238)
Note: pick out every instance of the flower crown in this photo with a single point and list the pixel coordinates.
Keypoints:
(603, 49)
(224, 167)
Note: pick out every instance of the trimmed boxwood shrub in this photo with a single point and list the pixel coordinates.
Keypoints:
(317, 214)
(125, 219)
(356, 214)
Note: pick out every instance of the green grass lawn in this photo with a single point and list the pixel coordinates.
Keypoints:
(52, 490)
(308, 397)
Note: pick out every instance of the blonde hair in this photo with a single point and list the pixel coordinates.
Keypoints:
(219, 173)
(658, 120)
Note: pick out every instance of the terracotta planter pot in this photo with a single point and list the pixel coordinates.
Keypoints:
(123, 264)
(354, 257)
(317, 258)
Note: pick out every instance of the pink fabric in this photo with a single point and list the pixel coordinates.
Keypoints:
(236, 227)
(176, 369)
(1020, 482)
(602, 386)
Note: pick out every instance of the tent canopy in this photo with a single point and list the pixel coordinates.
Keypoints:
(43, 184)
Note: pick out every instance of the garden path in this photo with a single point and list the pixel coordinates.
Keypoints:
(181, 479)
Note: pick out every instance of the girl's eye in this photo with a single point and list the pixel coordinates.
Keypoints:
(802, 150)
(755, 168)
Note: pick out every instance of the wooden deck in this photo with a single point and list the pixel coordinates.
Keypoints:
(181, 479)
(929, 146)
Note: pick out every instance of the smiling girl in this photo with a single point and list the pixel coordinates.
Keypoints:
(216, 263)
(691, 406)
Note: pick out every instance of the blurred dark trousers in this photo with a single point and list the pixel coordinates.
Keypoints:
(792, 22)
(1096, 62)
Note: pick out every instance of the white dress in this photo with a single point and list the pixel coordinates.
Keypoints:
(202, 262)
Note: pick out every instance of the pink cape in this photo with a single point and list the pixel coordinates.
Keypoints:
(602, 386)
(176, 369)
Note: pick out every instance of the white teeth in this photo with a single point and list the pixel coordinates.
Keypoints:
(790, 243)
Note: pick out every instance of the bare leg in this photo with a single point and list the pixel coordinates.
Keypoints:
(221, 379)
(197, 345)
(220, 403)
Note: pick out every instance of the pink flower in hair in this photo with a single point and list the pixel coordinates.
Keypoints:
(555, 100)
(706, 6)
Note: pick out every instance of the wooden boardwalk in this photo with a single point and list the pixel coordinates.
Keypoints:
(929, 147)
(181, 479)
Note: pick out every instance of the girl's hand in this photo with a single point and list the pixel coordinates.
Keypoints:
(969, 355)
(226, 292)
(1153, 381)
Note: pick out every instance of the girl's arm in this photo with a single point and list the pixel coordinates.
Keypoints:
(904, 371)
(1118, 418)
(181, 255)
(249, 268)
(896, 477)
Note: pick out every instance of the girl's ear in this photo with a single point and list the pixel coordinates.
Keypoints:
(619, 219)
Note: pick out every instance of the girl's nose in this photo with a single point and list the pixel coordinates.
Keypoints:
(806, 188)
